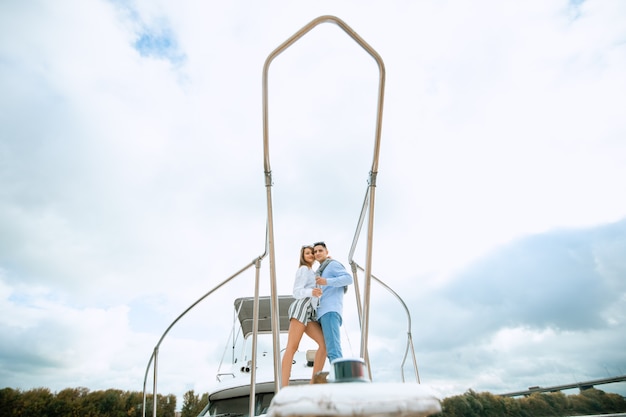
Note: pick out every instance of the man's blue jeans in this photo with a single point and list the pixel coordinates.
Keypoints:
(330, 323)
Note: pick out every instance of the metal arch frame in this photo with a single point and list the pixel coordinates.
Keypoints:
(269, 238)
(372, 180)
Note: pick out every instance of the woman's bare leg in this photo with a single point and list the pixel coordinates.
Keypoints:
(314, 331)
(296, 329)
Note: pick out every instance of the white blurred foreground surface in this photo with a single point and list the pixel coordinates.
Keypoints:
(355, 399)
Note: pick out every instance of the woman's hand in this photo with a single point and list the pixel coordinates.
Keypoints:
(317, 292)
(320, 281)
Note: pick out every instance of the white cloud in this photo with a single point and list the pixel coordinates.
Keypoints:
(132, 184)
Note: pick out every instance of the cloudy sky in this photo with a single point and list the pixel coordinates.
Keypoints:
(131, 183)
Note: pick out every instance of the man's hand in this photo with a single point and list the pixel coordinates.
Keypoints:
(320, 281)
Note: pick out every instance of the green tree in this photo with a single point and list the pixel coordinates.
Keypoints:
(455, 406)
(190, 403)
(594, 401)
(493, 405)
(193, 404)
(68, 403)
(166, 405)
(614, 403)
(10, 402)
(36, 402)
(558, 402)
(474, 402)
(110, 405)
(133, 402)
(535, 405)
(469, 404)
(512, 407)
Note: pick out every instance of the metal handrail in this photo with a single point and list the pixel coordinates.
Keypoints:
(409, 345)
(155, 353)
(372, 180)
(356, 266)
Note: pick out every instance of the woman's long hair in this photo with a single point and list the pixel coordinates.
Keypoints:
(303, 262)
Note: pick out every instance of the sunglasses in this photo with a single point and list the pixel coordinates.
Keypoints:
(319, 244)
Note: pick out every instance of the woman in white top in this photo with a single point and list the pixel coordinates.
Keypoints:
(302, 316)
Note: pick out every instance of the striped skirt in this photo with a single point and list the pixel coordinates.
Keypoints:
(302, 310)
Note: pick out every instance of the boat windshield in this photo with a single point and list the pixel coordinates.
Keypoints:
(237, 406)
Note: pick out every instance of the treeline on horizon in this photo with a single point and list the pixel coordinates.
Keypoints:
(81, 402)
(587, 402)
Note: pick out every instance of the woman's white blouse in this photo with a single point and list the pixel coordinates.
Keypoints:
(304, 283)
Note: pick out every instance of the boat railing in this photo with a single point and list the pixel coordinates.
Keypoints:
(410, 348)
(153, 361)
(221, 374)
(367, 212)
(356, 267)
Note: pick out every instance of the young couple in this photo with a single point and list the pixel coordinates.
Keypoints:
(317, 308)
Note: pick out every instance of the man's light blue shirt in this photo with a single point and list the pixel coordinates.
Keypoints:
(332, 293)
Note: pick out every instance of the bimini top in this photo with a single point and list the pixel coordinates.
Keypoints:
(244, 308)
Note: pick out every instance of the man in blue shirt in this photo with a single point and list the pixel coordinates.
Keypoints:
(334, 279)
